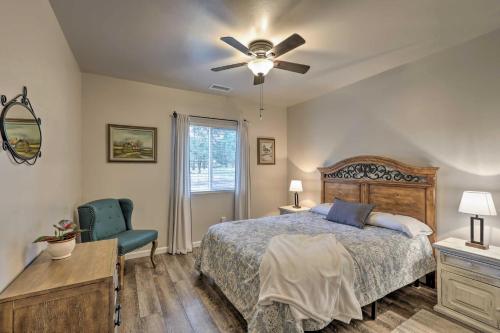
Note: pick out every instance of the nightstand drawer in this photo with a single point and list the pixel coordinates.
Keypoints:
(470, 265)
(470, 297)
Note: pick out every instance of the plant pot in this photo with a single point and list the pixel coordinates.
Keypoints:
(61, 249)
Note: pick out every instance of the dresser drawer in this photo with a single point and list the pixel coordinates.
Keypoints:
(55, 311)
(471, 265)
(470, 297)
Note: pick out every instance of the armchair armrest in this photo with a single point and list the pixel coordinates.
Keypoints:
(127, 207)
(86, 217)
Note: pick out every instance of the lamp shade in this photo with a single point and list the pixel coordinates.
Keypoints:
(296, 186)
(477, 203)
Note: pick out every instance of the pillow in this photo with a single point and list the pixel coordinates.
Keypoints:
(350, 213)
(406, 224)
(322, 209)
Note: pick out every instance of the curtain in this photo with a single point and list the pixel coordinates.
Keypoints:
(242, 186)
(179, 215)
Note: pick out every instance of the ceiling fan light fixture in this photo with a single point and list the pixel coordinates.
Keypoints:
(260, 66)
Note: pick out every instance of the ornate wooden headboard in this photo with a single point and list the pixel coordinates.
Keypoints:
(392, 186)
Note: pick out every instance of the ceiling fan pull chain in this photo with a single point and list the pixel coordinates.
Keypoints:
(261, 101)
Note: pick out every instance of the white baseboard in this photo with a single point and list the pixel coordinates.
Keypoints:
(145, 253)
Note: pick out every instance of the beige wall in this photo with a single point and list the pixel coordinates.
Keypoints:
(108, 100)
(443, 110)
(35, 53)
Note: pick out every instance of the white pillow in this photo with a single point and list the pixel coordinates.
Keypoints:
(409, 225)
(322, 209)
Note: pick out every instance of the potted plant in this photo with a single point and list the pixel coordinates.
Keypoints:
(63, 242)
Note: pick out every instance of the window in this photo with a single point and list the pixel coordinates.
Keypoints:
(212, 157)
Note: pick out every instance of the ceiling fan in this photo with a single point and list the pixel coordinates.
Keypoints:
(264, 55)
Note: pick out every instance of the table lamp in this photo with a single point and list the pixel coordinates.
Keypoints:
(296, 186)
(477, 203)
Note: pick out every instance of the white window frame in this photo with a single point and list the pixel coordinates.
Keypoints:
(213, 123)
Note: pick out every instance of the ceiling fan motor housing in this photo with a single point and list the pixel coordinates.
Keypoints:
(260, 47)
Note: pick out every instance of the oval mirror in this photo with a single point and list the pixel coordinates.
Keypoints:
(21, 132)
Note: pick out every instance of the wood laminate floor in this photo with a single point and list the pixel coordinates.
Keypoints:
(173, 298)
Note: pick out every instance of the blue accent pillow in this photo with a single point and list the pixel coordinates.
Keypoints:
(350, 213)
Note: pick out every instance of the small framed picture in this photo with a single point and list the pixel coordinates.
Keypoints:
(266, 151)
(131, 144)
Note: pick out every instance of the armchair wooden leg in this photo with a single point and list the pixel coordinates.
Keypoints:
(153, 249)
(122, 270)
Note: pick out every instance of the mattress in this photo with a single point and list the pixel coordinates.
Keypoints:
(385, 260)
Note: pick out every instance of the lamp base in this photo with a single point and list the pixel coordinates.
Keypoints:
(473, 242)
(296, 201)
(478, 245)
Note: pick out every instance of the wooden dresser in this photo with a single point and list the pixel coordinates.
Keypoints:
(468, 282)
(76, 294)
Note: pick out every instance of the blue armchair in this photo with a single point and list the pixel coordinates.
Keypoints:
(112, 218)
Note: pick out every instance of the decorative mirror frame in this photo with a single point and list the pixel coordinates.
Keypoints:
(23, 100)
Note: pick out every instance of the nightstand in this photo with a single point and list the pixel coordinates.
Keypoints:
(290, 209)
(468, 284)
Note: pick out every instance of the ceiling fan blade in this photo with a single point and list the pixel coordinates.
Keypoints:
(237, 45)
(288, 44)
(222, 68)
(258, 79)
(291, 66)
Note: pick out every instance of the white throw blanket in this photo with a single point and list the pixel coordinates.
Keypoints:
(314, 275)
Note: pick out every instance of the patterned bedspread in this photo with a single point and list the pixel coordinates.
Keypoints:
(385, 260)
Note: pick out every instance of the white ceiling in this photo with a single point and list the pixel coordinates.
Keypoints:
(175, 42)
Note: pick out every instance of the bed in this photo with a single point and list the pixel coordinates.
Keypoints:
(385, 260)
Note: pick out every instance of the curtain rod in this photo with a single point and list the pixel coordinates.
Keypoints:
(236, 121)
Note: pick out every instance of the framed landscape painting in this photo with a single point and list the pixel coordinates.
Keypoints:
(24, 136)
(266, 151)
(131, 144)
